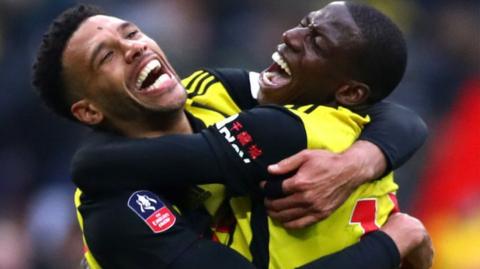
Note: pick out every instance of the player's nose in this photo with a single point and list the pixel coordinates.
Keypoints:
(294, 38)
(133, 49)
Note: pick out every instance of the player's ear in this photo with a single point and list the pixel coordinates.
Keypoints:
(86, 112)
(352, 94)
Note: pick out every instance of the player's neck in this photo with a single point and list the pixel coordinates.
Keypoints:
(175, 123)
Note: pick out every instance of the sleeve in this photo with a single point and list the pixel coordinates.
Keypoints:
(251, 141)
(122, 234)
(376, 250)
(391, 124)
(118, 163)
(234, 152)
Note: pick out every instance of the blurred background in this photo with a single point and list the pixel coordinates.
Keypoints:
(440, 184)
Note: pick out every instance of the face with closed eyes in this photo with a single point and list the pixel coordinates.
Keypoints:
(111, 65)
(314, 60)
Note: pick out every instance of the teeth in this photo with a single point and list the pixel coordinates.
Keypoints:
(159, 81)
(276, 57)
(267, 77)
(146, 70)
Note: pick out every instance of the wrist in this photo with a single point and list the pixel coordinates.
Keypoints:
(367, 159)
(354, 173)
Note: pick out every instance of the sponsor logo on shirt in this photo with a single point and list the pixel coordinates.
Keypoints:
(151, 210)
(239, 138)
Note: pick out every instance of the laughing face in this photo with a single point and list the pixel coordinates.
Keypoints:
(120, 71)
(314, 60)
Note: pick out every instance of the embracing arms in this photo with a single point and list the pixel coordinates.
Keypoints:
(322, 180)
(110, 161)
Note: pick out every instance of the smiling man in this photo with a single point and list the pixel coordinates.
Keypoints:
(111, 76)
(125, 103)
(318, 54)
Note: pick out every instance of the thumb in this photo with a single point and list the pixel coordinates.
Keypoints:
(287, 165)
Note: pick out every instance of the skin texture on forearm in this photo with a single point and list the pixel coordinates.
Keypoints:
(369, 160)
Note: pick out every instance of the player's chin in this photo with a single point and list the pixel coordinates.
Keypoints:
(169, 100)
(175, 103)
(164, 109)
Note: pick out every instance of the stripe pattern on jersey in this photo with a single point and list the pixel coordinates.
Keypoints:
(199, 83)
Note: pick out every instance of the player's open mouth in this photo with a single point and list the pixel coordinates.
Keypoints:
(277, 75)
(153, 78)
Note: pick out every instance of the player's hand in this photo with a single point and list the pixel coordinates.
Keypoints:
(412, 240)
(323, 181)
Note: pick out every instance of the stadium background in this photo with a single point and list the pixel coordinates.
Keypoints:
(441, 184)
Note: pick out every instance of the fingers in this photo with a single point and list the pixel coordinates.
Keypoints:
(425, 253)
(410, 237)
(288, 202)
(291, 185)
(291, 218)
(300, 223)
(298, 183)
(275, 189)
(288, 215)
(287, 186)
(420, 258)
(287, 165)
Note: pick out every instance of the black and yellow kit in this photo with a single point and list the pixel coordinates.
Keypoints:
(263, 136)
(111, 168)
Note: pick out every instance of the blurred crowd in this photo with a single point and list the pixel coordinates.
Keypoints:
(37, 218)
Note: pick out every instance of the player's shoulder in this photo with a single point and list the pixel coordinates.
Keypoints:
(325, 113)
(328, 127)
(220, 82)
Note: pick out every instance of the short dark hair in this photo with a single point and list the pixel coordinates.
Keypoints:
(48, 69)
(383, 57)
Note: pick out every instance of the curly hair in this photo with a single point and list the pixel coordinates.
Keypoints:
(47, 69)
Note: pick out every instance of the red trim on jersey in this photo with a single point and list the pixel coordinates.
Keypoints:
(396, 207)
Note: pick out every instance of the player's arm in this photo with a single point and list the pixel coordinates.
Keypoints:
(402, 239)
(133, 240)
(109, 162)
(391, 125)
(323, 180)
(382, 145)
(382, 141)
(179, 160)
(375, 251)
(139, 229)
(118, 163)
